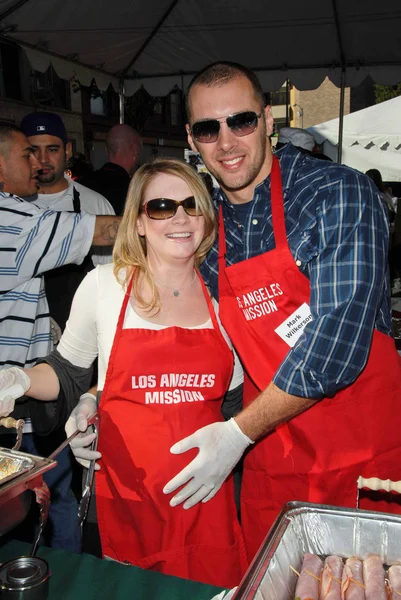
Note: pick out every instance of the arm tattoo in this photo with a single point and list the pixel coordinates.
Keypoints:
(108, 232)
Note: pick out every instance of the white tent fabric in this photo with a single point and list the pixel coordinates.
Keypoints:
(371, 139)
(162, 43)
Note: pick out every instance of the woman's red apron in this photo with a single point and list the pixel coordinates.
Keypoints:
(161, 386)
(317, 456)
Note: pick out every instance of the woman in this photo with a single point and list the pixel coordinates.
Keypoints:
(164, 374)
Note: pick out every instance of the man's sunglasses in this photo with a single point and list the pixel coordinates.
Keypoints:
(165, 208)
(241, 124)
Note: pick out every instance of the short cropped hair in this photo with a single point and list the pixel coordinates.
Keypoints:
(7, 129)
(219, 73)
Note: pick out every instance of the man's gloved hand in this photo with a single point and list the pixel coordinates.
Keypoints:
(14, 382)
(78, 419)
(221, 445)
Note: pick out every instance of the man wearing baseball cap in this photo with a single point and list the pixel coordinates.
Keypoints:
(47, 135)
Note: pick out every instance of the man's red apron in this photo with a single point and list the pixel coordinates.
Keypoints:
(317, 456)
(161, 386)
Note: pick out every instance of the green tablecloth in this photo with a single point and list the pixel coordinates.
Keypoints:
(84, 577)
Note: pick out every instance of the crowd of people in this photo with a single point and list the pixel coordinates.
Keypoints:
(249, 328)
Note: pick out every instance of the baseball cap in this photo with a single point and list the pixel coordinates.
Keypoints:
(297, 137)
(44, 123)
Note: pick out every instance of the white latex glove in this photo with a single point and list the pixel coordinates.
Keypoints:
(225, 595)
(13, 384)
(221, 445)
(78, 419)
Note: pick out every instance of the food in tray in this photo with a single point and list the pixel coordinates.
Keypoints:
(353, 579)
(9, 466)
(394, 576)
(331, 578)
(352, 586)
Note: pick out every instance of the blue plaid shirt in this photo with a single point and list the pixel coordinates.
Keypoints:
(337, 231)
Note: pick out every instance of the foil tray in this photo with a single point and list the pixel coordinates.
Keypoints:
(319, 529)
(16, 489)
(16, 462)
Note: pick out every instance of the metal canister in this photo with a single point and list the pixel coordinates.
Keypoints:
(24, 578)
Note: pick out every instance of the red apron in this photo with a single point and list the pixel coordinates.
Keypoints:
(318, 455)
(161, 386)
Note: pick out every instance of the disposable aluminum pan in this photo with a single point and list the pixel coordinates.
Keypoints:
(16, 489)
(322, 530)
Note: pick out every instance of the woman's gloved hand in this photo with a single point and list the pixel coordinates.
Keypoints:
(14, 382)
(78, 419)
(221, 446)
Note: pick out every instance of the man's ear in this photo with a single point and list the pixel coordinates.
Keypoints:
(190, 139)
(68, 150)
(269, 120)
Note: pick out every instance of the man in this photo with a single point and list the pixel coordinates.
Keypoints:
(48, 137)
(123, 148)
(33, 241)
(303, 293)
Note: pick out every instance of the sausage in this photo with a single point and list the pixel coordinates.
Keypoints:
(309, 580)
(373, 576)
(352, 587)
(394, 575)
(331, 578)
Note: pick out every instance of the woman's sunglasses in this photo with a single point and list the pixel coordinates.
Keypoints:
(241, 124)
(165, 208)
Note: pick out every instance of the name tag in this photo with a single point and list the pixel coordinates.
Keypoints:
(293, 327)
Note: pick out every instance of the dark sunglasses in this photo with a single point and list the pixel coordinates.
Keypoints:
(165, 208)
(241, 124)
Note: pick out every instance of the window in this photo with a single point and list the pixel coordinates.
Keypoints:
(277, 98)
(10, 83)
(50, 90)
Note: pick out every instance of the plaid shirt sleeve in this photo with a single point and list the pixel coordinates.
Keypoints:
(348, 288)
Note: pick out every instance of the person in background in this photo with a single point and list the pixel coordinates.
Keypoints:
(394, 257)
(300, 138)
(123, 148)
(33, 241)
(77, 167)
(385, 194)
(48, 136)
(165, 365)
(300, 270)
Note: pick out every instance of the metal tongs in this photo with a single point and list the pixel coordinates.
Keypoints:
(87, 481)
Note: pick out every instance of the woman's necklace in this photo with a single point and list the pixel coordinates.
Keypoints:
(176, 291)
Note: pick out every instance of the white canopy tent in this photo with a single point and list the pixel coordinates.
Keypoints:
(162, 43)
(371, 139)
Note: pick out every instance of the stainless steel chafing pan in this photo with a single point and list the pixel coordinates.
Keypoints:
(322, 530)
(16, 490)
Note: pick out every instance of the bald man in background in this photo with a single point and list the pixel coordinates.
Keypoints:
(123, 148)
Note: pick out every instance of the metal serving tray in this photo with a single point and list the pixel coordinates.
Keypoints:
(322, 530)
(15, 490)
(19, 463)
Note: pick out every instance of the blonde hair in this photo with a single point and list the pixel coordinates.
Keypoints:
(129, 254)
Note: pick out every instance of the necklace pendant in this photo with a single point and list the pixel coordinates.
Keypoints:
(176, 293)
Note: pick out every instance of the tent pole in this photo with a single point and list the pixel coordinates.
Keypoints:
(341, 120)
(121, 94)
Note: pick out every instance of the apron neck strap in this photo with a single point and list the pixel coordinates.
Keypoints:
(277, 208)
(212, 312)
(277, 205)
(124, 305)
